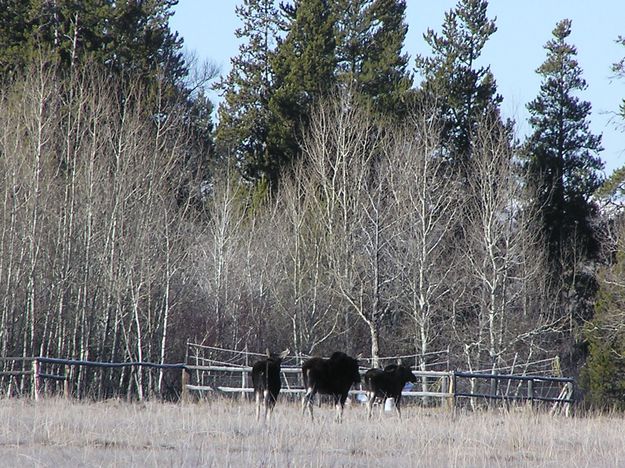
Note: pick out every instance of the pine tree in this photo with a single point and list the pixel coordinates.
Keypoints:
(562, 152)
(142, 43)
(603, 374)
(13, 35)
(304, 66)
(131, 38)
(269, 92)
(244, 117)
(128, 41)
(464, 93)
(67, 31)
(370, 36)
(352, 34)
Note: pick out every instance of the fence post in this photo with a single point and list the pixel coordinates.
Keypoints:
(244, 375)
(451, 401)
(494, 385)
(66, 383)
(36, 380)
(530, 393)
(444, 387)
(569, 396)
(184, 391)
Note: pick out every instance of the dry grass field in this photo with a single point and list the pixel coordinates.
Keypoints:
(58, 433)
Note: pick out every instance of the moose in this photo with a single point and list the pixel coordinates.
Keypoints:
(333, 376)
(266, 381)
(387, 383)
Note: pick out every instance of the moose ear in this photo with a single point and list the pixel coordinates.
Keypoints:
(285, 353)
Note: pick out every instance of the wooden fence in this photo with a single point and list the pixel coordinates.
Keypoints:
(451, 388)
(244, 388)
(34, 369)
(529, 389)
(18, 378)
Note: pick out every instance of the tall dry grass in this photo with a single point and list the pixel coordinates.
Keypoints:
(225, 433)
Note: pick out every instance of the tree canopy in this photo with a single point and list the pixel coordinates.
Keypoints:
(464, 92)
(244, 116)
(562, 153)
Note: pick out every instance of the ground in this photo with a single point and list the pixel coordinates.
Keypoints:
(58, 433)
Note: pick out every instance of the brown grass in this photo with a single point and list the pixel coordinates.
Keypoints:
(224, 433)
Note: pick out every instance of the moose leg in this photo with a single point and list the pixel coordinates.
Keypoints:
(339, 401)
(271, 403)
(398, 405)
(370, 399)
(337, 406)
(257, 397)
(267, 403)
(307, 402)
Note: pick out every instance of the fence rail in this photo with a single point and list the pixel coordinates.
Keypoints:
(475, 375)
(74, 362)
(17, 359)
(201, 354)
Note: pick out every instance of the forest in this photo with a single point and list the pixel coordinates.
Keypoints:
(340, 197)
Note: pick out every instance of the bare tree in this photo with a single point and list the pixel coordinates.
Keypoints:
(344, 151)
(503, 260)
(219, 253)
(91, 228)
(426, 196)
(302, 285)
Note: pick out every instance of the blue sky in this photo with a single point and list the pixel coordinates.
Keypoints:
(513, 52)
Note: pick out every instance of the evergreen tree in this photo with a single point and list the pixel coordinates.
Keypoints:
(562, 153)
(464, 93)
(304, 66)
(244, 117)
(352, 33)
(370, 35)
(142, 43)
(13, 35)
(603, 374)
(131, 38)
(128, 41)
(269, 90)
